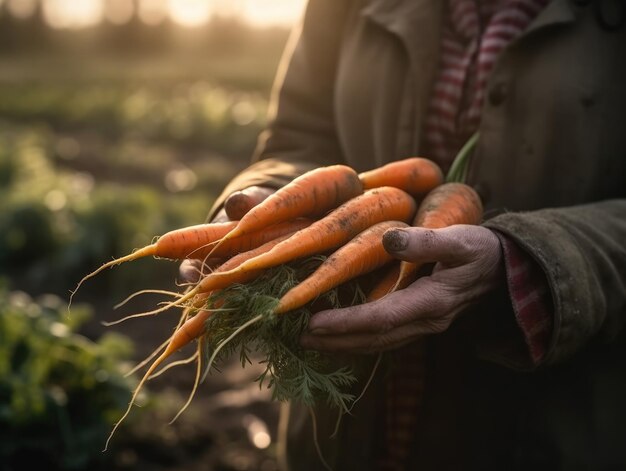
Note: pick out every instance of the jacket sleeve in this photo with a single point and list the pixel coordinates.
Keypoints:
(582, 251)
(301, 130)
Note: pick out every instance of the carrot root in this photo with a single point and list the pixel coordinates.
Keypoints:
(175, 363)
(195, 384)
(137, 254)
(146, 291)
(181, 337)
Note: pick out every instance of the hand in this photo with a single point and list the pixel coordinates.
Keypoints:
(235, 206)
(468, 266)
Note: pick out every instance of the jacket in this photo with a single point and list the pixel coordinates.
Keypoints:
(550, 165)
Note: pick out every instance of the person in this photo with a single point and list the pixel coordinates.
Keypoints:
(510, 353)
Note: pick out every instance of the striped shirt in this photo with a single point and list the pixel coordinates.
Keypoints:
(474, 34)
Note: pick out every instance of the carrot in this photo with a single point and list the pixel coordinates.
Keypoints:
(451, 203)
(176, 244)
(190, 330)
(361, 255)
(448, 204)
(415, 175)
(209, 283)
(312, 193)
(253, 239)
(327, 233)
(386, 283)
(337, 227)
(194, 242)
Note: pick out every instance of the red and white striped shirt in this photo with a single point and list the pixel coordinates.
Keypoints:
(475, 32)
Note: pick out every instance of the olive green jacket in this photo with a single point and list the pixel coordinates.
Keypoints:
(550, 165)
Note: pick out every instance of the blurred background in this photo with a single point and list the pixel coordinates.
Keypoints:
(121, 120)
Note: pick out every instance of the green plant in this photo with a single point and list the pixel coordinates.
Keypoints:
(59, 391)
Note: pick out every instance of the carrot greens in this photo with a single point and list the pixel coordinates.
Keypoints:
(290, 371)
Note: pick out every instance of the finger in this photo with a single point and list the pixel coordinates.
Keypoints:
(221, 216)
(242, 201)
(189, 270)
(418, 301)
(363, 318)
(363, 343)
(349, 343)
(454, 245)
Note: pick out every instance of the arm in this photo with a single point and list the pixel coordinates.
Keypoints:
(582, 251)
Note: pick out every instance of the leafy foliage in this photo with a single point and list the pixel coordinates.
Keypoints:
(56, 224)
(292, 372)
(59, 391)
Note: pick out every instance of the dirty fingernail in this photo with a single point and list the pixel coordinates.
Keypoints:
(395, 240)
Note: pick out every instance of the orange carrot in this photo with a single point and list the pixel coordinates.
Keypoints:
(190, 330)
(448, 204)
(415, 175)
(253, 239)
(313, 193)
(386, 284)
(361, 255)
(195, 242)
(451, 203)
(336, 228)
(176, 244)
(327, 233)
(209, 284)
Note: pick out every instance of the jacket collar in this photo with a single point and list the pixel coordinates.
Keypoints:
(555, 13)
(417, 24)
(412, 20)
(418, 19)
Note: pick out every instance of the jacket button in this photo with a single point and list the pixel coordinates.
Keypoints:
(497, 94)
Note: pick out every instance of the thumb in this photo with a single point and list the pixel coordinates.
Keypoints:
(240, 202)
(453, 245)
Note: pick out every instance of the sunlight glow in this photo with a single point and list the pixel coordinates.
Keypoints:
(272, 12)
(72, 14)
(186, 13)
(190, 13)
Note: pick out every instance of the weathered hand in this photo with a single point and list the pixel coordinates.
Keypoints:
(235, 206)
(468, 266)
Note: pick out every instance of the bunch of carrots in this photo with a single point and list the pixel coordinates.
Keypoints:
(331, 215)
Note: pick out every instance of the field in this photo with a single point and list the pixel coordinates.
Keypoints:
(99, 153)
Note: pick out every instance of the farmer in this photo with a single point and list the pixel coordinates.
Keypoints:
(511, 352)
